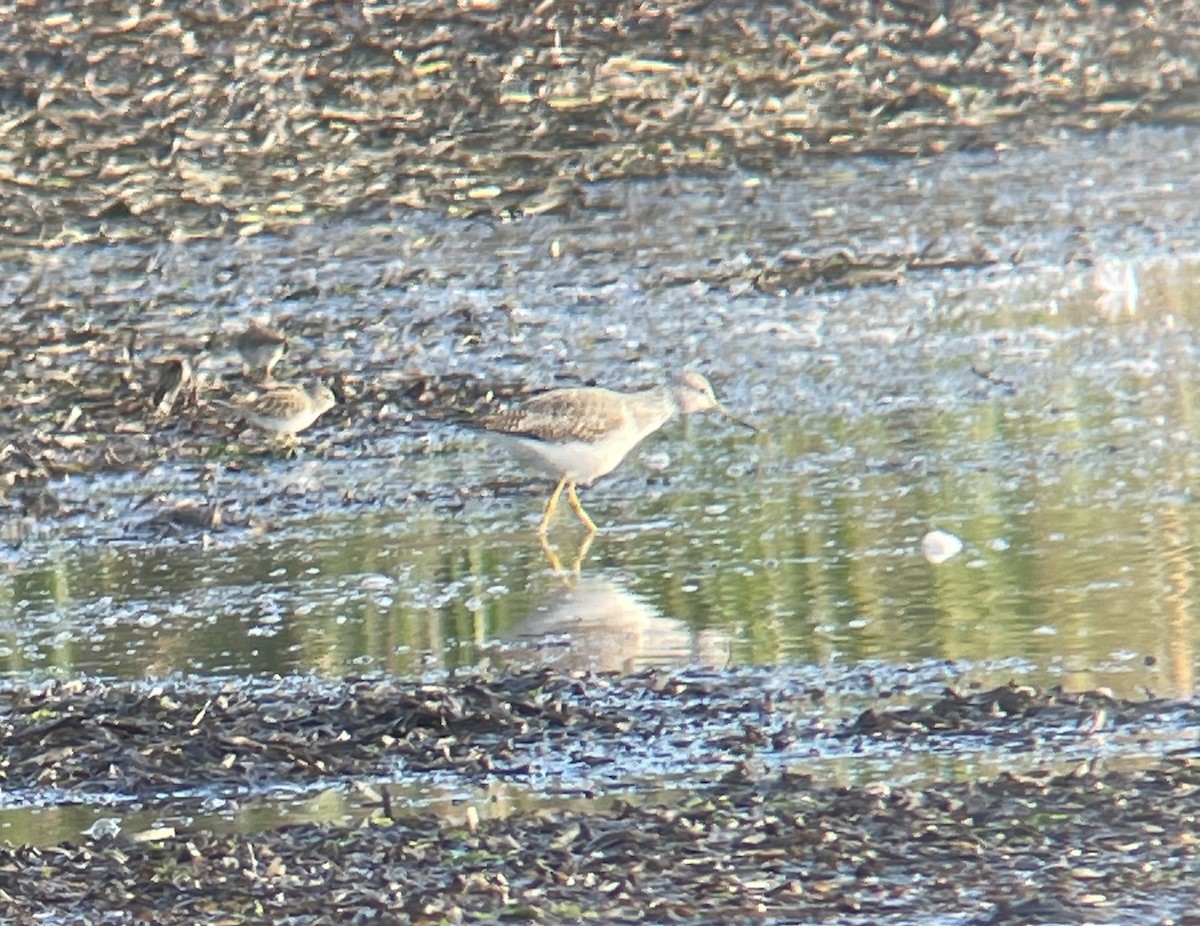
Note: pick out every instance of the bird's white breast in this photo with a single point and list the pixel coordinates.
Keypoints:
(581, 462)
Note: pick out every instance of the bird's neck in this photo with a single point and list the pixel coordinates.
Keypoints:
(658, 406)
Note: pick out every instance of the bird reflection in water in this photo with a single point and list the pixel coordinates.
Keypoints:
(576, 564)
(594, 623)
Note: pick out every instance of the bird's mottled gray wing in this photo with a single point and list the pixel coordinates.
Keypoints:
(561, 415)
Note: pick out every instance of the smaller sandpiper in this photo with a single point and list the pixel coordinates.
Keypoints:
(261, 347)
(287, 410)
(175, 378)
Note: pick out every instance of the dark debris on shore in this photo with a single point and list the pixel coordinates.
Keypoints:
(1121, 847)
(155, 741)
(216, 118)
(756, 841)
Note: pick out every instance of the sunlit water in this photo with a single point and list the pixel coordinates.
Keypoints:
(1038, 409)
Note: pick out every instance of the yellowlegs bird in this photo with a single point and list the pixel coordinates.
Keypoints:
(287, 410)
(579, 434)
(261, 348)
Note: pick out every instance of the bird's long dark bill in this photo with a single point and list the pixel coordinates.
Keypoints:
(736, 420)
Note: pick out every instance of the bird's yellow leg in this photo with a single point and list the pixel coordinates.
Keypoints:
(573, 498)
(551, 505)
(284, 445)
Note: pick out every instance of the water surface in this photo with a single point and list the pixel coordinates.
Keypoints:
(1033, 399)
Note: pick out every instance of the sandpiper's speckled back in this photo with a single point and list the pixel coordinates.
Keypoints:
(577, 414)
(291, 409)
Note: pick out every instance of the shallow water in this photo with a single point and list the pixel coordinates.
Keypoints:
(1036, 404)
(1041, 411)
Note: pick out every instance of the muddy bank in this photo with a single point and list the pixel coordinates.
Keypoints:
(752, 838)
(1083, 847)
(142, 122)
(156, 744)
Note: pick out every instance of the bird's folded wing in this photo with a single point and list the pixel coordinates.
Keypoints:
(562, 415)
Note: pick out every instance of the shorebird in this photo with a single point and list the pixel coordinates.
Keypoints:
(175, 375)
(285, 411)
(261, 347)
(579, 434)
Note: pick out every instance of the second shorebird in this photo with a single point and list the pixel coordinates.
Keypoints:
(261, 347)
(580, 434)
(287, 410)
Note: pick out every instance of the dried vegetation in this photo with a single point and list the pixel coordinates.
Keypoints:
(221, 117)
(754, 842)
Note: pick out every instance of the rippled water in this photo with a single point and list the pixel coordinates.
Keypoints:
(1038, 407)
